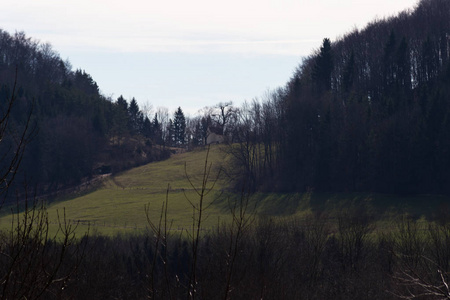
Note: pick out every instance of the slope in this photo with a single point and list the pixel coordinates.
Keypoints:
(119, 204)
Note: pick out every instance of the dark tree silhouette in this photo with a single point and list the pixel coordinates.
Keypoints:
(323, 66)
(179, 128)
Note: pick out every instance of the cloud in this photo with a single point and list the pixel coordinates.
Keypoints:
(196, 26)
(144, 44)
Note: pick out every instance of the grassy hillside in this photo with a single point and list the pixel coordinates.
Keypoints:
(118, 204)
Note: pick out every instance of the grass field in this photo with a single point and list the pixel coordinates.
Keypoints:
(118, 204)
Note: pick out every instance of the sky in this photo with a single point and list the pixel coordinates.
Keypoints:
(192, 54)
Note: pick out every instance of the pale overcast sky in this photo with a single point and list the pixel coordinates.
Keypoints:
(189, 53)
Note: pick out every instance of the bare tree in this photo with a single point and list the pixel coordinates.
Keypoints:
(223, 116)
(423, 261)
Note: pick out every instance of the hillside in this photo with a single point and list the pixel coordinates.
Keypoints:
(118, 204)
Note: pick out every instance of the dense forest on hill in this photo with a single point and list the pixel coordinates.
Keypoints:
(75, 132)
(366, 112)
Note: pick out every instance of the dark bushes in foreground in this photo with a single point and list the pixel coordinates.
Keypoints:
(311, 258)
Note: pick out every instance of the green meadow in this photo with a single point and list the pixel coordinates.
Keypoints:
(120, 202)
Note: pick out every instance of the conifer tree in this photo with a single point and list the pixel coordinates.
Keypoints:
(323, 67)
(179, 128)
(136, 118)
(156, 130)
(147, 128)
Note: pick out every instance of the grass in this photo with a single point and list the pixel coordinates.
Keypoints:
(118, 204)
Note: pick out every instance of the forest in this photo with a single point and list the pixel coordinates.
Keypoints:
(368, 112)
(74, 132)
(357, 116)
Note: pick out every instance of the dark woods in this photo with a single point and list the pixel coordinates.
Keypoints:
(78, 132)
(367, 112)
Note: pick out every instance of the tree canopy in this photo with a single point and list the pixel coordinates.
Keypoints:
(367, 112)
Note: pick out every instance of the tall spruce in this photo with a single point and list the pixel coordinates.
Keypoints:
(156, 131)
(136, 119)
(323, 67)
(179, 128)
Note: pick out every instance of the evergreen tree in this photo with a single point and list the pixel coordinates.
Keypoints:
(122, 103)
(323, 67)
(179, 128)
(85, 83)
(156, 130)
(147, 128)
(136, 118)
(120, 117)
